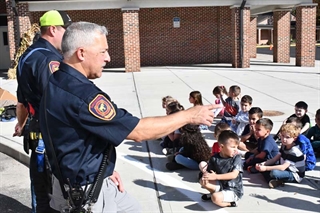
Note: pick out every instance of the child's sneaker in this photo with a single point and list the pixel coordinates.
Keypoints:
(233, 204)
(167, 151)
(275, 183)
(206, 197)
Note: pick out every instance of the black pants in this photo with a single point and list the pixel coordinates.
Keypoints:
(42, 185)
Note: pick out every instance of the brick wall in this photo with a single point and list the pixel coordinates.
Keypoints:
(196, 41)
(305, 36)
(112, 19)
(281, 36)
(223, 37)
(204, 35)
(253, 37)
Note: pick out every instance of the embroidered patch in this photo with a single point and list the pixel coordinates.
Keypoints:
(54, 66)
(101, 108)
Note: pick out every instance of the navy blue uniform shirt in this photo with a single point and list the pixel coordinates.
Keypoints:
(34, 76)
(82, 121)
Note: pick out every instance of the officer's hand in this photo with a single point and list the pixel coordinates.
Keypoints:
(201, 115)
(115, 177)
(17, 130)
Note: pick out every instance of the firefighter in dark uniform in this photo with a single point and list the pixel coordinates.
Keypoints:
(84, 123)
(35, 66)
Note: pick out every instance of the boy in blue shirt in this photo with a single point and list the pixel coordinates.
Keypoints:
(267, 147)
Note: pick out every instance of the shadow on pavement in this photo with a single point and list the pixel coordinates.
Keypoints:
(272, 64)
(291, 202)
(9, 205)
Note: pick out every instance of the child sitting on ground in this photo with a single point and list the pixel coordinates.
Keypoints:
(194, 149)
(267, 147)
(170, 143)
(248, 136)
(223, 176)
(195, 98)
(305, 145)
(219, 92)
(165, 99)
(217, 130)
(231, 104)
(242, 118)
(292, 165)
(301, 109)
(314, 134)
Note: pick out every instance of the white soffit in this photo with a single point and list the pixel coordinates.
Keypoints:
(117, 4)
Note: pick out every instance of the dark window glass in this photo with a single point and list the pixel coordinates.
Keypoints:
(3, 21)
(5, 38)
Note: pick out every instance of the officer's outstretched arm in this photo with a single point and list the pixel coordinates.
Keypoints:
(156, 127)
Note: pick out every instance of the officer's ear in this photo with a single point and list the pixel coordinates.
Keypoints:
(80, 53)
(52, 30)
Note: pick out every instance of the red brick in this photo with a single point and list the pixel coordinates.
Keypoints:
(281, 36)
(305, 36)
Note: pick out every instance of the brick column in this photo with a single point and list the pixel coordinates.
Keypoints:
(305, 35)
(253, 36)
(281, 35)
(235, 37)
(16, 26)
(131, 39)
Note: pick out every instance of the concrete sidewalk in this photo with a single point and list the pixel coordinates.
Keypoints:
(142, 165)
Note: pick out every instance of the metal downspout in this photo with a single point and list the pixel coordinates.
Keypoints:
(241, 30)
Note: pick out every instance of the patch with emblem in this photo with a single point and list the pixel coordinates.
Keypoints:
(102, 108)
(54, 66)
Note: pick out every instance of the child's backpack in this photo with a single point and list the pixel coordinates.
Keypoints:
(8, 113)
(306, 148)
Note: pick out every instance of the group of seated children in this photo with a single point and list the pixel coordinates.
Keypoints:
(242, 131)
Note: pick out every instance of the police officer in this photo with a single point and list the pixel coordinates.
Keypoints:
(35, 66)
(85, 122)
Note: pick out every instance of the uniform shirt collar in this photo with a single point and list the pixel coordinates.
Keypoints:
(48, 45)
(72, 71)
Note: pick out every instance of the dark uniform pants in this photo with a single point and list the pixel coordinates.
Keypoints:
(41, 182)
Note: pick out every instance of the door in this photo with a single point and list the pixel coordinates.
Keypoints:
(4, 48)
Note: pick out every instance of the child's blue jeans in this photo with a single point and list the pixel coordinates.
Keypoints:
(286, 176)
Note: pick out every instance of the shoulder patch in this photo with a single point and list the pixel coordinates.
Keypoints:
(54, 66)
(102, 108)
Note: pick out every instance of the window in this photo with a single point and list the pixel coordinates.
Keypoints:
(5, 38)
(3, 21)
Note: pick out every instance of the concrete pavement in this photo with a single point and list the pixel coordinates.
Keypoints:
(142, 165)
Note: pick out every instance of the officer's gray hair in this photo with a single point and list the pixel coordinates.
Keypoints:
(80, 34)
